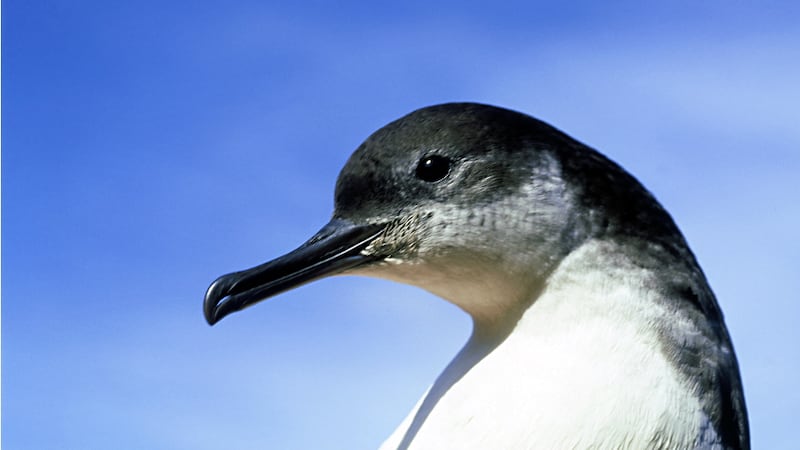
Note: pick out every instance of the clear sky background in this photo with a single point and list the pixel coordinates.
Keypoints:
(150, 146)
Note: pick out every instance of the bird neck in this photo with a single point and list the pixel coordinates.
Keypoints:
(484, 339)
(585, 344)
(493, 322)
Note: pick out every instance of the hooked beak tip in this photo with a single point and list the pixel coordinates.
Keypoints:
(211, 303)
(211, 317)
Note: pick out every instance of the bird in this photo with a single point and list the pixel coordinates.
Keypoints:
(593, 325)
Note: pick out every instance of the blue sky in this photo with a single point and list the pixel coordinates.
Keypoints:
(149, 147)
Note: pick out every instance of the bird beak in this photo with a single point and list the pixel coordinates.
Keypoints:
(338, 246)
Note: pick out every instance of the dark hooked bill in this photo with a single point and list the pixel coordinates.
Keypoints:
(335, 248)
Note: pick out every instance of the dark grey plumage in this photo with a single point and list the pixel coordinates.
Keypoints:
(616, 205)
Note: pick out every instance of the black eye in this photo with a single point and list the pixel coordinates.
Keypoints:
(433, 168)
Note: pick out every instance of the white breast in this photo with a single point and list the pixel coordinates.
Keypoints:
(581, 369)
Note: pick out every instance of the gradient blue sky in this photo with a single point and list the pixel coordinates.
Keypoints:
(151, 146)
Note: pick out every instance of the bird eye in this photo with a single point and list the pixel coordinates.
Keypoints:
(433, 168)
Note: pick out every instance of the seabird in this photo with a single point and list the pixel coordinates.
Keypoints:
(593, 325)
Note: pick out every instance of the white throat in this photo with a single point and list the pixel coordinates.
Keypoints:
(580, 369)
